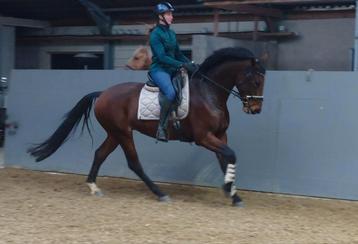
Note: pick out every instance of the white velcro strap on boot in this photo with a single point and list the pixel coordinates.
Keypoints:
(230, 173)
(233, 190)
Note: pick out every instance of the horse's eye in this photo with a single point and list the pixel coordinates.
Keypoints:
(136, 58)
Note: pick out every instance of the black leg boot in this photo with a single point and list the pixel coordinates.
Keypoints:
(165, 109)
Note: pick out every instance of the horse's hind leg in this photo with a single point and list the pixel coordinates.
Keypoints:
(127, 144)
(100, 155)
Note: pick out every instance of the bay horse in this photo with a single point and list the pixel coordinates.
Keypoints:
(206, 123)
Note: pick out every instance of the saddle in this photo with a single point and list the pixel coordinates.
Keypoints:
(148, 104)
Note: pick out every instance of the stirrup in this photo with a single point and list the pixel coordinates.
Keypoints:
(176, 125)
(162, 137)
(176, 121)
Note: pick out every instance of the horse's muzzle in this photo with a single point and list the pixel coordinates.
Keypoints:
(255, 111)
(249, 110)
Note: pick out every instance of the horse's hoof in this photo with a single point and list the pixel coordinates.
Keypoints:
(226, 191)
(98, 194)
(227, 194)
(165, 198)
(238, 204)
(237, 201)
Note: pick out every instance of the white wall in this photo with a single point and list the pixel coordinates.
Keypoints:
(39, 56)
(321, 45)
(204, 46)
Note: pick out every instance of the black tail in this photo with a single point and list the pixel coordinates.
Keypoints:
(71, 121)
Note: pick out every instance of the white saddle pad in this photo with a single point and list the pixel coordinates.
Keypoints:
(148, 105)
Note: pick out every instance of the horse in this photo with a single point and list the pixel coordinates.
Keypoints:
(205, 125)
(141, 59)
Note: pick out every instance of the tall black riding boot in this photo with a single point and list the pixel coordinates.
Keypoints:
(165, 109)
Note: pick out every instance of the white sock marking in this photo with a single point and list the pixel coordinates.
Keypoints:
(93, 187)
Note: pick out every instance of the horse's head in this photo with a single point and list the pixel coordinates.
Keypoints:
(229, 67)
(141, 59)
(250, 85)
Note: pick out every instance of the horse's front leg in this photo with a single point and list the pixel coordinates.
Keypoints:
(227, 160)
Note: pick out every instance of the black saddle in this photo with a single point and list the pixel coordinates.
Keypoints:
(150, 81)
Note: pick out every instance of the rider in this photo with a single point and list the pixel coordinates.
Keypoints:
(167, 59)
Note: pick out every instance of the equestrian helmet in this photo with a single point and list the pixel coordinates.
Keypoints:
(163, 7)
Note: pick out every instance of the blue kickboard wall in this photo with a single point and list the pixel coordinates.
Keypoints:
(304, 142)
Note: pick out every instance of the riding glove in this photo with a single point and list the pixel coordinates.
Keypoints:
(191, 67)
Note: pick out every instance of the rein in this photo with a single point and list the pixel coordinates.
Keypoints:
(236, 94)
(233, 92)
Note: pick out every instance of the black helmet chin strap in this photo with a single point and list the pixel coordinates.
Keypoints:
(164, 20)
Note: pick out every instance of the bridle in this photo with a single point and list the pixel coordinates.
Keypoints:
(251, 71)
(244, 99)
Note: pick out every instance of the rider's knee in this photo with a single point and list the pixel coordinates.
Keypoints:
(170, 95)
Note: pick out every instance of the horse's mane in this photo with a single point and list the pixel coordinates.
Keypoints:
(226, 54)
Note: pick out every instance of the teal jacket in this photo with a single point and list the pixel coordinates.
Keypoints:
(166, 53)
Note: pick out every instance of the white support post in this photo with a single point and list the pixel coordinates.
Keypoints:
(7, 49)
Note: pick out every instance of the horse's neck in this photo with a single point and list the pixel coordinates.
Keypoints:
(218, 93)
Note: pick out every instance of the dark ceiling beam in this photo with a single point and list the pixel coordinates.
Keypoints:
(130, 20)
(181, 37)
(103, 21)
(19, 22)
(150, 8)
(242, 2)
(227, 17)
(245, 8)
(293, 15)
